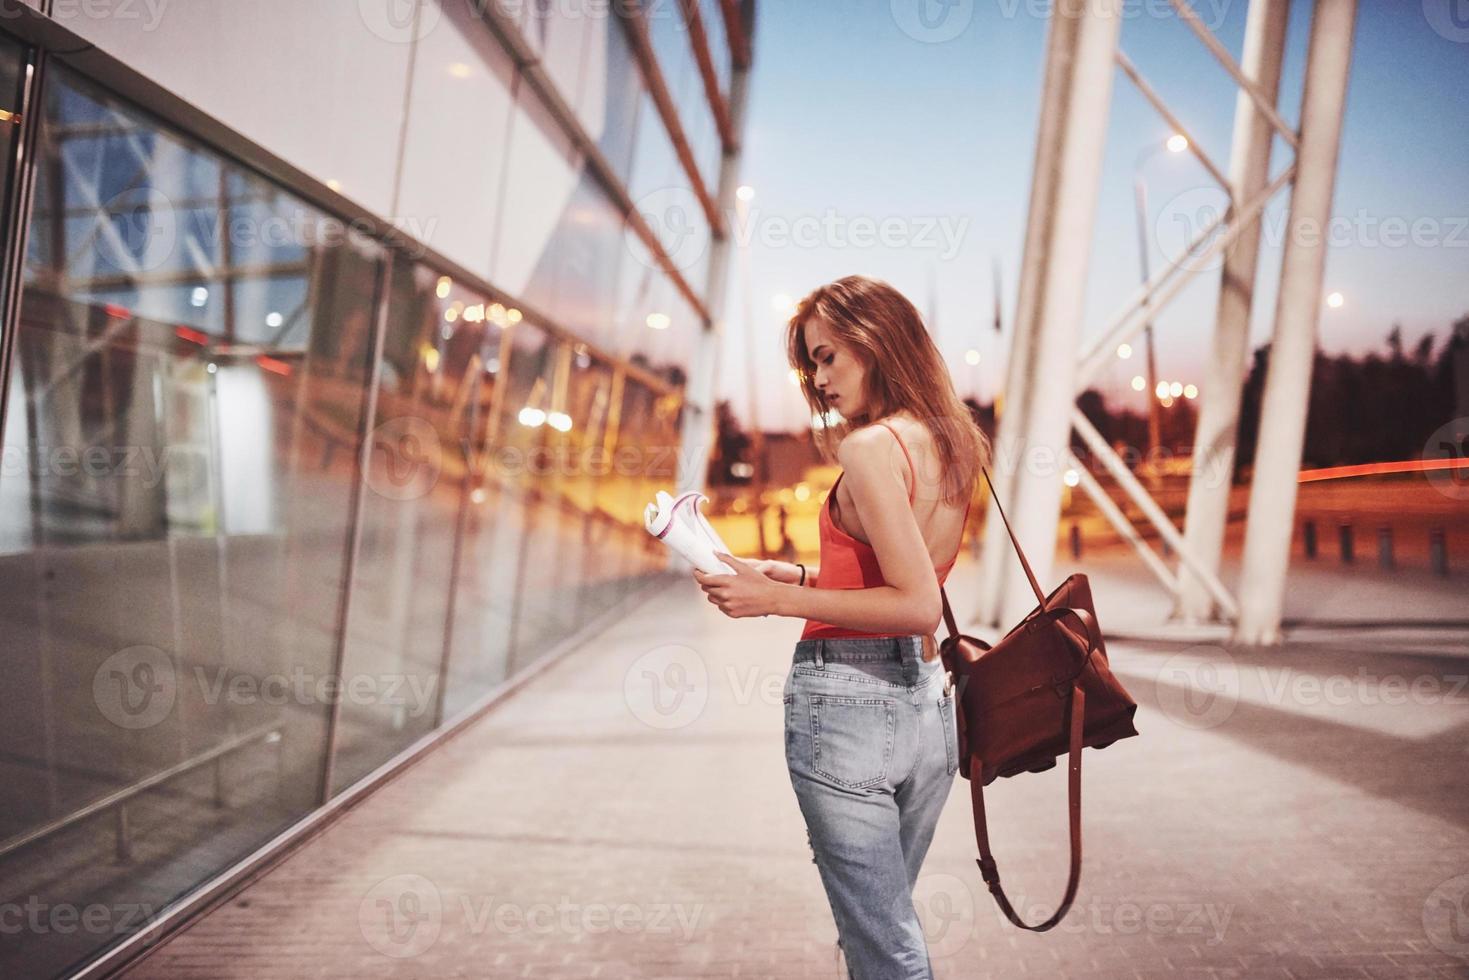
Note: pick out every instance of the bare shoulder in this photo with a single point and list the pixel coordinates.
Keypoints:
(866, 444)
(871, 453)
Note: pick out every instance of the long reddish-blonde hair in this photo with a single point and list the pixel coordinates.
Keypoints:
(904, 371)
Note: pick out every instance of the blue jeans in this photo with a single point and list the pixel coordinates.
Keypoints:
(872, 752)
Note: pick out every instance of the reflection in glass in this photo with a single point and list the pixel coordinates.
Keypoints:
(185, 412)
(430, 386)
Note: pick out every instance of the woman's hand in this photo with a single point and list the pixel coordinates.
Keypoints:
(785, 572)
(747, 592)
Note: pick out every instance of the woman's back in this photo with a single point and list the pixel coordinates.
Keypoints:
(941, 524)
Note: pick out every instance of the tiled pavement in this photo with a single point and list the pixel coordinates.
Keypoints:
(1297, 813)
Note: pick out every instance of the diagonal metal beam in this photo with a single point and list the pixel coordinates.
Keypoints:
(699, 38)
(1121, 524)
(1266, 106)
(1149, 93)
(634, 20)
(1166, 284)
(1155, 515)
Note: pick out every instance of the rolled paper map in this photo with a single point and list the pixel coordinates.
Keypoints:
(679, 524)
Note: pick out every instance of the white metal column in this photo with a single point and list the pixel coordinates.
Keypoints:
(696, 440)
(1043, 431)
(997, 562)
(1270, 522)
(1214, 434)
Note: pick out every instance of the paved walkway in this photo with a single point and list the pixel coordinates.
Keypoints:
(1299, 813)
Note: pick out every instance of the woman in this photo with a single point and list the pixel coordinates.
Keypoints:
(870, 733)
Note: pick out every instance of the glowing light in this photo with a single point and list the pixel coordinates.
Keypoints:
(200, 296)
(1335, 300)
(430, 359)
(1162, 390)
(1124, 351)
(971, 357)
(1175, 389)
(531, 417)
(443, 287)
(659, 321)
(745, 193)
(513, 315)
(1177, 143)
(212, 367)
(460, 70)
(1190, 391)
(478, 495)
(335, 185)
(1072, 478)
(1139, 382)
(803, 492)
(274, 319)
(450, 315)
(559, 421)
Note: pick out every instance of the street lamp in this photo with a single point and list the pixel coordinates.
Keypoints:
(1175, 143)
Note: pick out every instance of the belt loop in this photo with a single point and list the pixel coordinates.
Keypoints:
(820, 661)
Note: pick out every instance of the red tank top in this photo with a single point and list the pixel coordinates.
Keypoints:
(847, 563)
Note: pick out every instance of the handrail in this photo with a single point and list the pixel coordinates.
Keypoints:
(122, 796)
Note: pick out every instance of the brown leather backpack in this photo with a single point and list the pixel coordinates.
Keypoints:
(1045, 688)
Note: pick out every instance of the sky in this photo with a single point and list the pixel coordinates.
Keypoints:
(865, 117)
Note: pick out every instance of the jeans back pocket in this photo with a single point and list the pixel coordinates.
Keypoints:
(851, 738)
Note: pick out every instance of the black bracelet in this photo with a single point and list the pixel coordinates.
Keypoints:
(803, 574)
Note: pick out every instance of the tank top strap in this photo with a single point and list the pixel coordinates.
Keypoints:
(914, 489)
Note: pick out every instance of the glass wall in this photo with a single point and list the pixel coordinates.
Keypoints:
(185, 412)
(279, 499)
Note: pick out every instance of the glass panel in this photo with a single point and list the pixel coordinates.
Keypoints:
(644, 463)
(610, 101)
(495, 523)
(552, 547)
(429, 389)
(185, 415)
(653, 325)
(662, 194)
(490, 531)
(589, 461)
